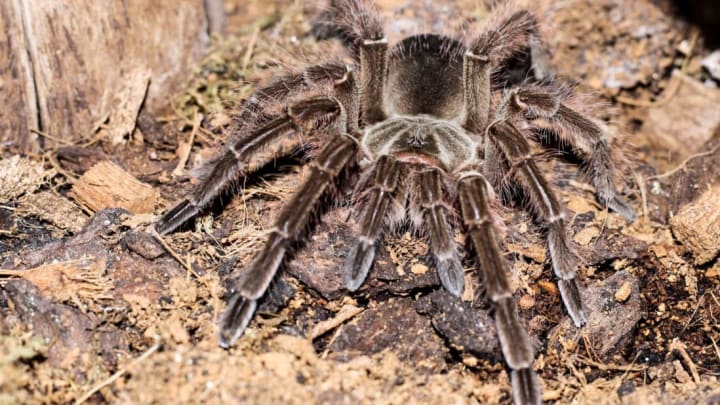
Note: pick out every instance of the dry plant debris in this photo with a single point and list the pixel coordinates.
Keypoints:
(18, 176)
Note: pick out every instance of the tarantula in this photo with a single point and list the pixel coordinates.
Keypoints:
(425, 130)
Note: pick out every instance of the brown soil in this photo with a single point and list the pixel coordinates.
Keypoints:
(95, 307)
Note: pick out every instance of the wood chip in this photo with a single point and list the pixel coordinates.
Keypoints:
(107, 185)
(55, 209)
(67, 281)
(534, 252)
(697, 226)
(549, 287)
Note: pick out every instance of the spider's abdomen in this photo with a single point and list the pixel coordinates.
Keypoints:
(444, 142)
(425, 77)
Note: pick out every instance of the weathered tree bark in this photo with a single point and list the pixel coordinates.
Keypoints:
(67, 66)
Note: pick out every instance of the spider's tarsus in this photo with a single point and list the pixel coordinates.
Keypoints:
(525, 386)
(176, 216)
(357, 264)
(451, 275)
(235, 319)
(570, 293)
(620, 206)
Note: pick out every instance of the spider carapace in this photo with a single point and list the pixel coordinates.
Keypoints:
(423, 132)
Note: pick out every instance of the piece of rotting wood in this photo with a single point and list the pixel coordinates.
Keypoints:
(68, 66)
(697, 225)
(107, 185)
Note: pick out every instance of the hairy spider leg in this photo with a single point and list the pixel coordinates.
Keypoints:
(435, 213)
(476, 89)
(293, 217)
(360, 257)
(475, 193)
(582, 134)
(373, 76)
(542, 202)
(270, 138)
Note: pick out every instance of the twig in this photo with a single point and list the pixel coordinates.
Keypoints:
(643, 192)
(610, 367)
(700, 301)
(685, 162)
(118, 374)
(680, 347)
(626, 372)
(185, 152)
(250, 48)
(346, 312)
(174, 254)
(717, 350)
(48, 136)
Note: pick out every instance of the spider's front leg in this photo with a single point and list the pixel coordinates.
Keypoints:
(475, 194)
(442, 244)
(509, 141)
(546, 110)
(385, 176)
(504, 37)
(359, 25)
(295, 215)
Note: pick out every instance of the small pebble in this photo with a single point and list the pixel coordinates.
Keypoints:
(623, 293)
(419, 268)
(526, 301)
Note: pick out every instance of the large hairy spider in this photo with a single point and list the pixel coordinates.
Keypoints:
(425, 130)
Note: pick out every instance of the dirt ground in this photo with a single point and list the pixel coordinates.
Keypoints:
(95, 307)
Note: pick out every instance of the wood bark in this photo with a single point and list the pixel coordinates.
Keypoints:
(66, 67)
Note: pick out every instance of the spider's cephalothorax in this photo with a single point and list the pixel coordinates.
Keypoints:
(432, 140)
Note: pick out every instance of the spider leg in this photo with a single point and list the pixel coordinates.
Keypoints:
(545, 206)
(373, 76)
(508, 33)
(260, 143)
(442, 243)
(294, 215)
(474, 193)
(476, 87)
(359, 25)
(504, 36)
(352, 21)
(583, 135)
(360, 258)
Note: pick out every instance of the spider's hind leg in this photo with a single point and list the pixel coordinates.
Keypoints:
(352, 21)
(511, 32)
